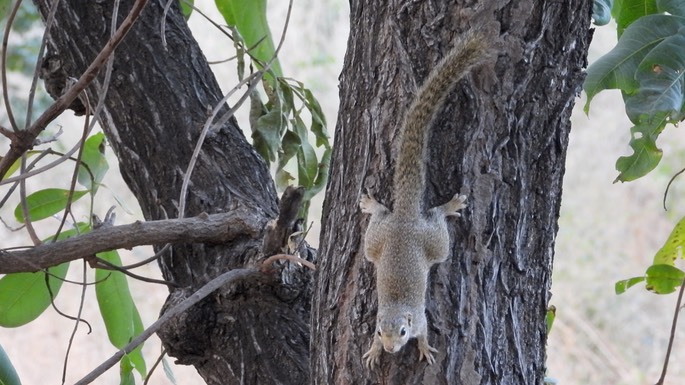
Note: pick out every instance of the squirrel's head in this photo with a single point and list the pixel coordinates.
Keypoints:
(394, 331)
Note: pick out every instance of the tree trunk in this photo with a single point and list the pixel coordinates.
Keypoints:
(501, 138)
(255, 332)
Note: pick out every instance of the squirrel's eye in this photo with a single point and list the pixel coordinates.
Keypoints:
(379, 333)
(403, 332)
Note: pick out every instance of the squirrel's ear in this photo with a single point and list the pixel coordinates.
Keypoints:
(409, 319)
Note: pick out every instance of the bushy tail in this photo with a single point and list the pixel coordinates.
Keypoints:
(410, 170)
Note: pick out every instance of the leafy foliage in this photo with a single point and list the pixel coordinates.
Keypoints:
(279, 133)
(662, 277)
(648, 66)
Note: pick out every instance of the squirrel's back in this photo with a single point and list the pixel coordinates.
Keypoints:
(410, 169)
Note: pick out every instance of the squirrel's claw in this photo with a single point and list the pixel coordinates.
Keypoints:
(372, 357)
(426, 351)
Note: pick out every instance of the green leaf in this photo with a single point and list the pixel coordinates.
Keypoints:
(646, 155)
(661, 77)
(187, 8)
(663, 279)
(168, 371)
(673, 247)
(118, 310)
(321, 176)
(17, 163)
(25, 296)
(290, 145)
(249, 18)
(8, 375)
(4, 8)
(94, 158)
(621, 286)
(45, 203)
(617, 69)
(601, 11)
(266, 136)
(307, 163)
(549, 318)
(674, 7)
(627, 11)
(318, 119)
(126, 372)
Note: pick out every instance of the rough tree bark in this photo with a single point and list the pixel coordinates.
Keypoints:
(158, 101)
(501, 139)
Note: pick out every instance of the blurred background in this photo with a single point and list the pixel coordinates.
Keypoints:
(608, 232)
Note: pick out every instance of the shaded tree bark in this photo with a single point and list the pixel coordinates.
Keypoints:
(501, 139)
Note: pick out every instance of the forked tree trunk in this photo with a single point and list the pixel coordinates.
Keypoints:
(157, 103)
(501, 138)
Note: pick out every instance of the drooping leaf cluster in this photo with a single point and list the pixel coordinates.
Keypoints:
(648, 66)
(279, 131)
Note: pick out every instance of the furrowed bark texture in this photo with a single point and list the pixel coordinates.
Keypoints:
(501, 138)
(158, 100)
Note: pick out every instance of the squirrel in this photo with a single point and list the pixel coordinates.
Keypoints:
(404, 243)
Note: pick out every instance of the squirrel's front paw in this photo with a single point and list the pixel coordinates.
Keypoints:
(372, 357)
(452, 207)
(425, 350)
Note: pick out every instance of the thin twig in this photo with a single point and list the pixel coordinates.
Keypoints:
(210, 287)
(39, 61)
(25, 142)
(148, 260)
(162, 25)
(6, 131)
(41, 155)
(672, 337)
(669, 186)
(78, 321)
(74, 176)
(25, 206)
(57, 162)
(106, 265)
(266, 265)
(3, 72)
(154, 366)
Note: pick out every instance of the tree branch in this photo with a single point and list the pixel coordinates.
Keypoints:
(209, 288)
(25, 138)
(215, 228)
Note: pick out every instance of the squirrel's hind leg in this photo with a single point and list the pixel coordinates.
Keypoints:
(375, 238)
(452, 207)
